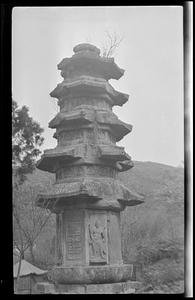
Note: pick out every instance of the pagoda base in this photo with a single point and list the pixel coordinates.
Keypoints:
(91, 274)
(128, 287)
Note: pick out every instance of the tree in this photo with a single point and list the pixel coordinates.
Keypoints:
(113, 41)
(28, 221)
(110, 45)
(26, 140)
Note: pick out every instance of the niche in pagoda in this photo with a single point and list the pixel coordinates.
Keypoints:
(87, 196)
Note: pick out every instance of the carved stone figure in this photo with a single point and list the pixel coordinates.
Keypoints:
(97, 241)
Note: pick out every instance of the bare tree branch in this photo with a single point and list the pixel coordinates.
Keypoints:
(113, 42)
(29, 220)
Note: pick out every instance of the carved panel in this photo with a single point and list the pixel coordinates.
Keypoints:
(74, 236)
(97, 237)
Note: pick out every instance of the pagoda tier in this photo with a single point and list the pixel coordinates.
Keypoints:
(86, 114)
(109, 155)
(88, 192)
(87, 61)
(83, 85)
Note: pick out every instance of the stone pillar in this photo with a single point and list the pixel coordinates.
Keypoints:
(88, 196)
(89, 237)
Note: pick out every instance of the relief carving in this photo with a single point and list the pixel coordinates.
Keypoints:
(74, 236)
(97, 238)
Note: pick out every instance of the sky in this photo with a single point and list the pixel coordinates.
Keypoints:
(151, 53)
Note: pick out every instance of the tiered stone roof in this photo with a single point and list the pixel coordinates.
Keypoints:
(86, 160)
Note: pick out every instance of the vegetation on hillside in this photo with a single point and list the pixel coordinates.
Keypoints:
(152, 233)
(28, 220)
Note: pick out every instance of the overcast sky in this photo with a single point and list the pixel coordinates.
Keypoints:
(151, 54)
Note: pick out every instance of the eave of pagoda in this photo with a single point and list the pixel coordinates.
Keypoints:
(52, 157)
(83, 154)
(92, 189)
(84, 115)
(86, 84)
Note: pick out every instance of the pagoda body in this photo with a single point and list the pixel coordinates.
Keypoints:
(87, 196)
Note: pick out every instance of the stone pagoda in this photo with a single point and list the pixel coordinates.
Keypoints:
(87, 196)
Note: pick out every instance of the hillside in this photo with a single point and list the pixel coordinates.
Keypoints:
(153, 232)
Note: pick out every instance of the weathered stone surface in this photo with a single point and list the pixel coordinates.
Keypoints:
(132, 284)
(114, 244)
(51, 157)
(78, 115)
(70, 289)
(107, 288)
(65, 174)
(85, 55)
(124, 165)
(88, 84)
(103, 133)
(114, 153)
(86, 47)
(91, 274)
(87, 134)
(74, 237)
(86, 114)
(114, 288)
(87, 195)
(97, 101)
(44, 288)
(95, 188)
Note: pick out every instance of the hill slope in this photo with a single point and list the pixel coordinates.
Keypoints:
(153, 232)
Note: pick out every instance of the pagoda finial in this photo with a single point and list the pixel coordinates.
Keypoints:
(86, 47)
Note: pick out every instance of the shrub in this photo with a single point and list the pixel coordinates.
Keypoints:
(163, 272)
(151, 252)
